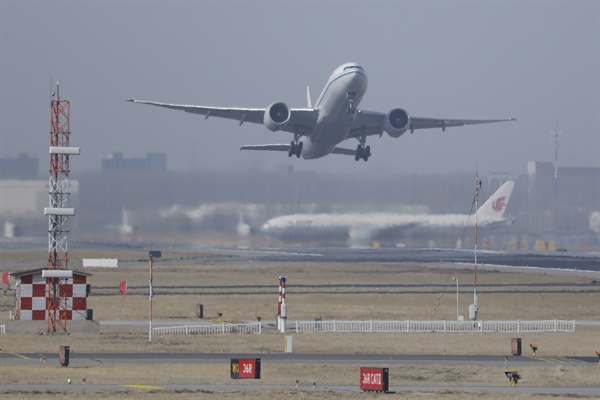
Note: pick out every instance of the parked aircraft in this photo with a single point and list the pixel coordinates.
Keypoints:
(363, 228)
(335, 117)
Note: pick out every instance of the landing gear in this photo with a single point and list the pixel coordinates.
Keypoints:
(351, 106)
(363, 152)
(295, 149)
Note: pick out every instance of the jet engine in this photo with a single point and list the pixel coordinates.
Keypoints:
(276, 116)
(397, 122)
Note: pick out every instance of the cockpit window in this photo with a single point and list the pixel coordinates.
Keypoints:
(353, 67)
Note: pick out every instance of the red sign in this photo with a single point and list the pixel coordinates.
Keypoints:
(123, 287)
(374, 379)
(5, 277)
(245, 368)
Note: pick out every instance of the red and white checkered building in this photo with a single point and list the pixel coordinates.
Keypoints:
(31, 291)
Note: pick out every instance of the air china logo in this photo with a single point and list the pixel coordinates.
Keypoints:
(499, 204)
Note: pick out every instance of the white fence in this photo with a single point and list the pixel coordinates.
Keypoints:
(3, 329)
(217, 329)
(435, 326)
(375, 326)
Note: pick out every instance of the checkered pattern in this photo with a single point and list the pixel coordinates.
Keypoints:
(31, 297)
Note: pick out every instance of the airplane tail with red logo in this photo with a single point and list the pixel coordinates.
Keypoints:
(493, 209)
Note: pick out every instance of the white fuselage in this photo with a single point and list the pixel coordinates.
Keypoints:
(340, 97)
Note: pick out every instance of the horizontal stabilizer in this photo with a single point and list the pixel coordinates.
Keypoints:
(286, 147)
(267, 147)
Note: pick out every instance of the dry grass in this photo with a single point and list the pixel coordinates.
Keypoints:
(181, 283)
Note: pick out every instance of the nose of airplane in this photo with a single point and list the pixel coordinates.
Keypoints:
(359, 79)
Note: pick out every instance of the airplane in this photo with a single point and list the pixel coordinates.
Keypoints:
(335, 117)
(360, 229)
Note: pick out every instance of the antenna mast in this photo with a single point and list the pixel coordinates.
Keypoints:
(474, 308)
(556, 146)
(57, 210)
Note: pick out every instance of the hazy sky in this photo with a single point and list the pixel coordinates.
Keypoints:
(537, 61)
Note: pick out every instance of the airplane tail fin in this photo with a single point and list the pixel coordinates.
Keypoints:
(308, 101)
(493, 209)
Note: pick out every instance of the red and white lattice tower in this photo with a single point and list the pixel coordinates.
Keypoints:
(57, 211)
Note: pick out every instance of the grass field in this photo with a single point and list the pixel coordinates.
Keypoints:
(331, 291)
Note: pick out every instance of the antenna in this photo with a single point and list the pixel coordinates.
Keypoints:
(474, 308)
(554, 139)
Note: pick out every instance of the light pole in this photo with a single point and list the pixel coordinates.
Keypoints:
(151, 254)
(455, 278)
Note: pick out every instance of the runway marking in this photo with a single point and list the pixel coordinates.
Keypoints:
(554, 359)
(145, 387)
(19, 355)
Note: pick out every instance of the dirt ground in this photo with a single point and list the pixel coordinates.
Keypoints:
(241, 291)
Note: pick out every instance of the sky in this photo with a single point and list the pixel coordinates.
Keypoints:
(537, 61)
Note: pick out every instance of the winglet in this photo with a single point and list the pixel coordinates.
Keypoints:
(308, 101)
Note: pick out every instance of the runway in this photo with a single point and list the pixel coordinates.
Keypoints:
(292, 358)
(552, 391)
(560, 260)
(573, 261)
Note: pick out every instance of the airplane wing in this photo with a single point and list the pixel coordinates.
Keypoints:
(371, 123)
(302, 120)
(424, 123)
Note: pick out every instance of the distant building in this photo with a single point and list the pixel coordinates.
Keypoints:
(22, 167)
(559, 207)
(153, 162)
(29, 197)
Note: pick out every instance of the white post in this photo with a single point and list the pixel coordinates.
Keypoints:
(455, 278)
(283, 316)
(150, 316)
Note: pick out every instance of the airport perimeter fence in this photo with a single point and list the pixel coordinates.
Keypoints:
(435, 326)
(376, 326)
(212, 329)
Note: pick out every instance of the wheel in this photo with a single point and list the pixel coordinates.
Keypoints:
(367, 153)
(299, 149)
(359, 153)
(292, 149)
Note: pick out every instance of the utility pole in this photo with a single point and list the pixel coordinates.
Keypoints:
(474, 308)
(556, 146)
(150, 316)
(151, 255)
